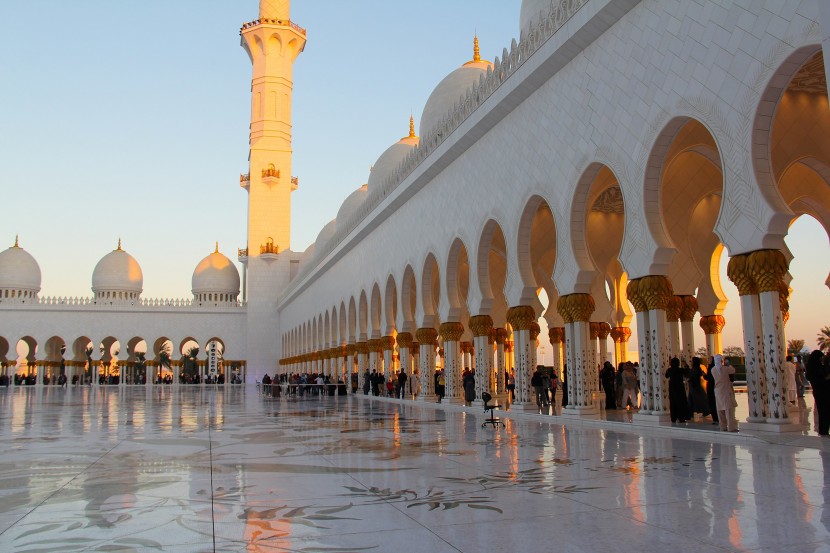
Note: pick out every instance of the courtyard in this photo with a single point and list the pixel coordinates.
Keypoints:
(204, 469)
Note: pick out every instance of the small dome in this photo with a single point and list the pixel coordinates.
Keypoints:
(215, 274)
(392, 157)
(19, 270)
(352, 204)
(531, 12)
(450, 90)
(117, 272)
(326, 233)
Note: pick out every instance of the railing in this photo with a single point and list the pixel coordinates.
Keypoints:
(242, 252)
(269, 248)
(244, 178)
(265, 21)
(476, 95)
(155, 303)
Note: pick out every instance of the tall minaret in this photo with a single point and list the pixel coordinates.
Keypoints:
(273, 42)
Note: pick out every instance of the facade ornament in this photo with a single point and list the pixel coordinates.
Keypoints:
(500, 334)
(387, 343)
(576, 308)
(404, 340)
(361, 348)
(374, 345)
(674, 306)
(593, 330)
(534, 330)
(690, 307)
(426, 336)
(556, 335)
(737, 272)
(603, 330)
(351, 349)
(634, 296)
(784, 296)
(620, 334)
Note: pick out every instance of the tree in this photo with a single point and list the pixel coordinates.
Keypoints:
(733, 351)
(88, 352)
(823, 340)
(702, 352)
(794, 347)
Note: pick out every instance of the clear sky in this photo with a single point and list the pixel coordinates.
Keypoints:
(130, 119)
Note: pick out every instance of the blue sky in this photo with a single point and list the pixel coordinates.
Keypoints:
(130, 119)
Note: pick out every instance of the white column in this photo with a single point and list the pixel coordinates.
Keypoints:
(426, 338)
(501, 368)
(659, 361)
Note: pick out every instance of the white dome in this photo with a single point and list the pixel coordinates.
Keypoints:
(390, 159)
(531, 11)
(19, 270)
(352, 204)
(448, 93)
(117, 271)
(326, 233)
(215, 274)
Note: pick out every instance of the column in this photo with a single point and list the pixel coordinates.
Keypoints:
(348, 367)
(603, 331)
(674, 305)
(556, 335)
(656, 291)
(450, 335)
(767, 268)
(482, 326)
(520, 318)
(687, 316)
(712, 326)
(500, 336)
(620, 335)
(387, 345)
(576, 311)
(362, 354)
(592, 369)
(404, 341)
(415, 364)
(427, 338)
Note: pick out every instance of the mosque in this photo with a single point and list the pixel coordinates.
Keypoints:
(608, 158)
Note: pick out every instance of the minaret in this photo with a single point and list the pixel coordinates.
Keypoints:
(273, 42)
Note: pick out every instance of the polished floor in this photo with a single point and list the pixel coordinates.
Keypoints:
(198, 469)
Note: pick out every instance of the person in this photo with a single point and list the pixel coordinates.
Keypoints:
(367, 382)
(710, 391)
(545, 387)
(698, 402)
(536, 383)
(724, 394)
(401, 384)
(564, 385)
(678, 406)
(440, 382)
(554, 383)
(607, 377)
(266, 384)
(375, 381)
(468, 381)
(511, 385)
(390, 385)
(818, 374)
(629, 380)
(789, 373)
(353, 378)
(800, 376)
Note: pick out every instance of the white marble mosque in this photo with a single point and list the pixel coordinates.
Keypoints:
(615, 150)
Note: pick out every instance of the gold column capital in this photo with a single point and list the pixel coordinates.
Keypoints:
(387, 343)
(351, 349)
(500, 335)
(690, 307)
(535, 330)
(655, 290)
(481, 325)
(576, 307)
(426, 336)
(520, 317)
(737, 272)
(634, 296)
(556, 335)
(620, 334)
(374, 345)
(593, 330)
(466, 347)
(712, 324)
(603, 330)
(767, 268)
(674, 306)
(404, 340)
(451, 332)
(361, 348)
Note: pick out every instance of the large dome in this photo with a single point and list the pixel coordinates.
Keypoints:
(531, 11)
(450, 90)
(19, 271)
(352, 204)
(326, 233)
(215, 274)
(117, 272)
(392, 157)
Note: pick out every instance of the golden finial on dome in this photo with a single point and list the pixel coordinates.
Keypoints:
(476, 49)
(217, 248)
(411, 127)
(16, 241)
(118, 249)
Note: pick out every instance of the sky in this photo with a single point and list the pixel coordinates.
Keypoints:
(130, 120)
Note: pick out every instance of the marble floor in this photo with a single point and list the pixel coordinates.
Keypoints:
(198, 469)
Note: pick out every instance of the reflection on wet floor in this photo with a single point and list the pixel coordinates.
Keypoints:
(198, 469)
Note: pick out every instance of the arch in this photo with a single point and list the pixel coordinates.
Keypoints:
(363, 316)
(375, 312)
(390, 306)
(345, 335)
(491, 268)
(409, 300)
(430, 293)
(352, 322)
(54, 349)
(325, 332)
(456, 283)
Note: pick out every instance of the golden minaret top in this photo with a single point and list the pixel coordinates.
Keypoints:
(275, 9)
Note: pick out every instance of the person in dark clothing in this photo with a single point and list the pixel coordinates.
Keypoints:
(468, 381)
(818, 374)
(678, 406)
(401, 384)
(564, 385)
(375, 380)
(367, 382)
(698, 402)
(608, 378)
(710, 391)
